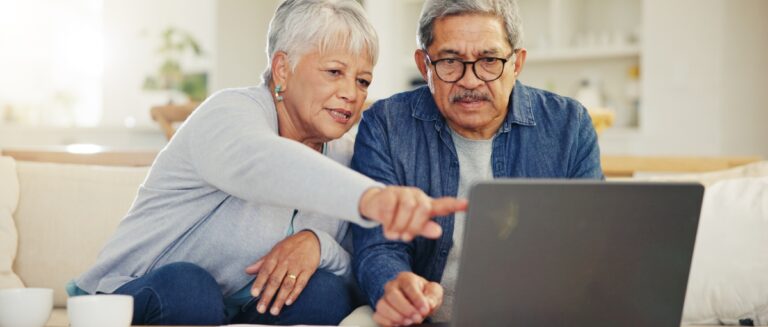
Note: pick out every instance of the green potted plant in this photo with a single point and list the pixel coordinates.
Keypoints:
(170, 76)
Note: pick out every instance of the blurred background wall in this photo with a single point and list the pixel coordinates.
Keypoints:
(685, 77)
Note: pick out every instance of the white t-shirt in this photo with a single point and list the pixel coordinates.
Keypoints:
(474, 166)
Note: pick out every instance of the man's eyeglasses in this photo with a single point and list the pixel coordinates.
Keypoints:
(451, 70)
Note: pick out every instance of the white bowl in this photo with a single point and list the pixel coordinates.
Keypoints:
(25, 307)
(100, 310)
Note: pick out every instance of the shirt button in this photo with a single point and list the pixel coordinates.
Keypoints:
(444, 253)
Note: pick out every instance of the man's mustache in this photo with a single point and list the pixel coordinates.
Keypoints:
(469, 95)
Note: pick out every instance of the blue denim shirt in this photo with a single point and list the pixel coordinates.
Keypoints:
(404, 140)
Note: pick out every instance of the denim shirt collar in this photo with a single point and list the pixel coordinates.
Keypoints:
(520, 109)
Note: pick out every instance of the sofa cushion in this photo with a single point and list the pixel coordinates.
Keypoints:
(360, 317)
(9, 198)
(58, 318)
(729, 272)
(65, 215)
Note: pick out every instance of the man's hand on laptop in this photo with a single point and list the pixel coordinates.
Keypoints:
(408, 299)
(406, 212)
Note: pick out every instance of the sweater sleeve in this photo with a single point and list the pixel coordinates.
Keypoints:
(234, 146)
(333, 257)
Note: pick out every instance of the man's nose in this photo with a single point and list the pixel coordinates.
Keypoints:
(470, 80)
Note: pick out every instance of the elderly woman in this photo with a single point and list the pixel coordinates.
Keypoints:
(253, 184)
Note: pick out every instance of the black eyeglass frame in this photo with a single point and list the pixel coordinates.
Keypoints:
(474, 66)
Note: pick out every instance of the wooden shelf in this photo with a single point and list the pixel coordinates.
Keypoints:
(68, 155)
(627, 166)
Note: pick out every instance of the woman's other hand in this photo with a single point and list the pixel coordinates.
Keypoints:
(285, 271)
(406, 212)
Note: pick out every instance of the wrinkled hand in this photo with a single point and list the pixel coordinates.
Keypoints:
(287, 268)
(406, 212)
(408, 299)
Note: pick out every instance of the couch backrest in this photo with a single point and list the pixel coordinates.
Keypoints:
(65, 215)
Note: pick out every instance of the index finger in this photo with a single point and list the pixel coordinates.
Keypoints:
(419, 216)
(447, 205)
(274, 282)
(254, 268)
(265, 270)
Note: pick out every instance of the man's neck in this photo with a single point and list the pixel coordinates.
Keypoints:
(484, 133)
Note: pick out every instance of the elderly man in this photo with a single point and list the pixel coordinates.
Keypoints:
(475, 121)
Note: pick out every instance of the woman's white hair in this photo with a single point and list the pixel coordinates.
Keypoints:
(507, 10)
(301, 26)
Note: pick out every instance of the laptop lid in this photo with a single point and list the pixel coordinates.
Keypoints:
(576, 253)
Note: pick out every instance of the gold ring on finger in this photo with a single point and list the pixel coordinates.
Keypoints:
(291, 276)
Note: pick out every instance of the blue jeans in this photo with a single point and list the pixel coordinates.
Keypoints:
(185, 294)
(326, 300)
(176, 294)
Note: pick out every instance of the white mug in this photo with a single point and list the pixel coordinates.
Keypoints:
(25, 307)
(100, 310)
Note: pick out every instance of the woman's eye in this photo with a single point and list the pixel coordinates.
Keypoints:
(364, 82)
(334, 72)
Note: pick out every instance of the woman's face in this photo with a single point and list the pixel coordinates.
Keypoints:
(325, 93)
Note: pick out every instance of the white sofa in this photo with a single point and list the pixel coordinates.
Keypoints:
(63, 216)
(54, 218)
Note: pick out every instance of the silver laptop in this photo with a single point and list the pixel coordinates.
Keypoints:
(576, 253)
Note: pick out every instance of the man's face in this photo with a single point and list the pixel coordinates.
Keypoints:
(473, 107)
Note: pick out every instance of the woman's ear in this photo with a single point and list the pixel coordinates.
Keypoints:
(280, 68)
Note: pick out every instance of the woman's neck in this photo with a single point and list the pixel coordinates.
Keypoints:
(286, 128)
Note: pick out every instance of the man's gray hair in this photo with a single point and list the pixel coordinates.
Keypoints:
(505, 9)
(301, 26)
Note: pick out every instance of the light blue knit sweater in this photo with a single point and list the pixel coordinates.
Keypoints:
(221, 195)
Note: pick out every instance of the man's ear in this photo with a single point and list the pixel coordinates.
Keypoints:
(520, 60)
(421, 62)
(280, 68)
